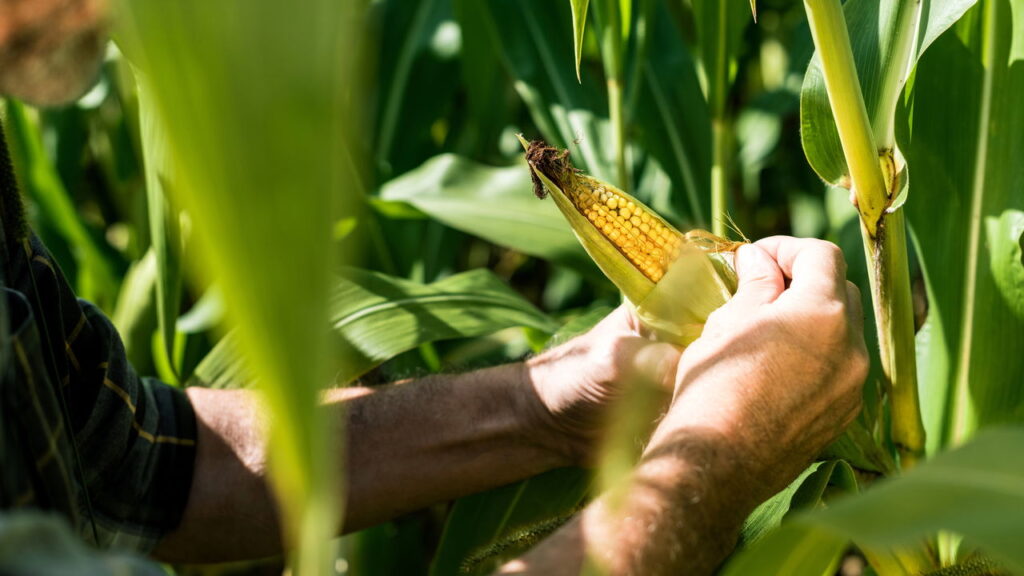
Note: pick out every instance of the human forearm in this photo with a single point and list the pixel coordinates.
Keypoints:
(442, 437)
(678, 513)
(408, 445)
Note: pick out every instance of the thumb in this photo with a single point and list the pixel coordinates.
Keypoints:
(760, 278)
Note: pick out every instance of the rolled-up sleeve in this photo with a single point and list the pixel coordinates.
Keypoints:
(132, 438)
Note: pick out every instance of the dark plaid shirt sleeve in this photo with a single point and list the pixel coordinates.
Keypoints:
(110, 450)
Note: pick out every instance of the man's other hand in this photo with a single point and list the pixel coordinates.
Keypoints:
(579, 382)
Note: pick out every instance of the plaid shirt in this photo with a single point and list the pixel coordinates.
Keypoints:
(81, 434)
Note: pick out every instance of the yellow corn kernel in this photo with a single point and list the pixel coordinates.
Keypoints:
(636, 248)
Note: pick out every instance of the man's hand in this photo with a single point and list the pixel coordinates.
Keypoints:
(774, 378)
(579, 382)
(778, 371)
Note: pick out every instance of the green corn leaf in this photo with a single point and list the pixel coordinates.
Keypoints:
(973, 490)
(94, 276)
(804, 493)
(492, 203)
(884, 42)
(672, 119)
(380, 316)
(417, 75)
(135, 314)
(484, 78)
(484, 529)
(164, 227)
(967, 218)
(376, 317)
(579, 23)
(529, 35)
(720, 25)
(263, 179)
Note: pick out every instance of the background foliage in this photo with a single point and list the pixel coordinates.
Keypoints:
(215, 135)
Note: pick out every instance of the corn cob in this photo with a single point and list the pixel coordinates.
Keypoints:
(673, 280)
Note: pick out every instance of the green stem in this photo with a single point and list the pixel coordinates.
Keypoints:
(719, 129)
(889, 274)
(719, 176)
(832, 40)
(642, 40)
(884, 235)
(611, 48)
(618, 132)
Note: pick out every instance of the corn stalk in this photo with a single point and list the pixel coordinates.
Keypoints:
(720, 25)
(720, 131)
(610, 15)
(882, 221)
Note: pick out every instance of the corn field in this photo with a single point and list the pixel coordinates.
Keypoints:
(293, 196)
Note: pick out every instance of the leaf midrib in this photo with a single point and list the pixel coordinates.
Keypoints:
(961, 425)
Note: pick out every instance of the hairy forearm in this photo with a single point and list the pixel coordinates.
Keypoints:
(440, 438)
(408, 445)
(679, 513)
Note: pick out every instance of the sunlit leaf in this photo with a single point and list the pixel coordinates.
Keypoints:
(531, 35)
(263, 178)
(495, 204)
(971, 490)
(135, 314)
(164, 227)
(486, 528)
(579, 23)
(967, 215)
(881, 55)
(376, 317)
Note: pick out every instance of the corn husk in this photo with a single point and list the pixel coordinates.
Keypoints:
(673, 291)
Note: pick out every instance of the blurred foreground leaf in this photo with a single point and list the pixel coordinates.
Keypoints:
(164, 227)
(251, 98)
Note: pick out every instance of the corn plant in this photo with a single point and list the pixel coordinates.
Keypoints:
(873, 87)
